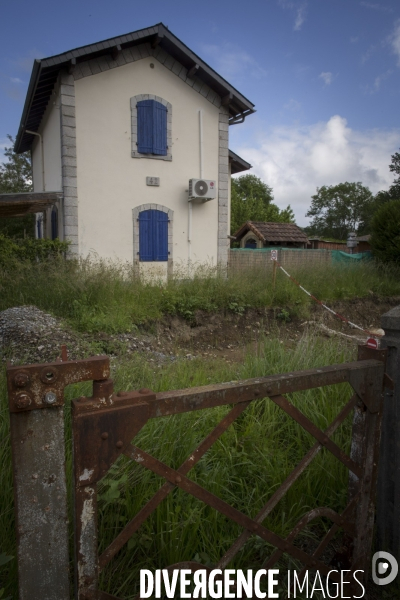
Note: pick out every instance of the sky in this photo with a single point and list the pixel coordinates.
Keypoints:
(323, 74)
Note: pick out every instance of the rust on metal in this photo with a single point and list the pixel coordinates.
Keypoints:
(163, 492)
(322, 438)
(105, 424)
(102, 432)
(28, 385)
(208, 396)
(192, 488)
(285, 486)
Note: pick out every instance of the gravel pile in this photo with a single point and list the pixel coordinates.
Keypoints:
(30, 335)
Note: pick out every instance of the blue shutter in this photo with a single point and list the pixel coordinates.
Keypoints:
(146, 236)
(161, 235)
(159, 128)
(153, 235)
(54, 224)
(39, 229)
(145, 126)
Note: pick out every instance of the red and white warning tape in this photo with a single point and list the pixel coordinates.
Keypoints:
(327, 307)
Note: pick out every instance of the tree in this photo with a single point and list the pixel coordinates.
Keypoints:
(16, 176)
(337, 210)
(394, 189)
(393, 193)
(251, 200)
(385, 238)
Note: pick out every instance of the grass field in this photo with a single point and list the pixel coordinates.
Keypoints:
(100, 296)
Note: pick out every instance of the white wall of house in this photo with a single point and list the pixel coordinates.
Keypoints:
(111, 183)
(50, 132)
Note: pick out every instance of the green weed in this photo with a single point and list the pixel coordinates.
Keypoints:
(98, 295)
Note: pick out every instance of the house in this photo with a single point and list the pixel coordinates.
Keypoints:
(320, 244)
(254, 234)
(117, 129)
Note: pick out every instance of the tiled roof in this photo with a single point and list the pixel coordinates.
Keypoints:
(273, 232)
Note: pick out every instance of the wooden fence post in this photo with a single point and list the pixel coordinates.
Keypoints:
(388, 500)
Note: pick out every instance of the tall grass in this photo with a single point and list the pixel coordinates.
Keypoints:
(102, 296)
(244, 467)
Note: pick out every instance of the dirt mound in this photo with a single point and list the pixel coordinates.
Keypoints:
(31, 335)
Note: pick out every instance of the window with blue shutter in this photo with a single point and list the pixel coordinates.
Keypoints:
(151, 127)
(153, 235)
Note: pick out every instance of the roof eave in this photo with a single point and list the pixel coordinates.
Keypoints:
(237, 105)
(33, 82)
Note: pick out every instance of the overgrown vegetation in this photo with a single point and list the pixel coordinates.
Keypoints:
(16, 176)
(101, 296)
(244, 467)
(385, 239)
(17, 252)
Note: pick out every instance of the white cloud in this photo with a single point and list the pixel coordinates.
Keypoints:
(296, 160)
(231, 61)
(378, 82)
(395, 40)
(300, 16)
(327, 77)
(376, 6)
(292, 105)
(16, 80)
(300, 7)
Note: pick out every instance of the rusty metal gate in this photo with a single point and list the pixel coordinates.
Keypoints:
(104, 426)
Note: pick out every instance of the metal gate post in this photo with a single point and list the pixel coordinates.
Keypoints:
(388, 517)
(40, 493)
(36, 399)
(368, 386)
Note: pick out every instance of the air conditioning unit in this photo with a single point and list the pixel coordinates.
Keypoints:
(206, 189)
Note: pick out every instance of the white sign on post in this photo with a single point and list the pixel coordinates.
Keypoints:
(274, 254)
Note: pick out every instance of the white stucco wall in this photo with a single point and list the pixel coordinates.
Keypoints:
(111, 183)
(50, 132)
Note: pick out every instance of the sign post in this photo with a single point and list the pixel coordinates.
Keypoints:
(274, 258)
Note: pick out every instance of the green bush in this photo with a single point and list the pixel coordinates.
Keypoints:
(29, 249)
(385, 238)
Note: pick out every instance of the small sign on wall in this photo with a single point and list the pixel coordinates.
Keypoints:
(153, 181)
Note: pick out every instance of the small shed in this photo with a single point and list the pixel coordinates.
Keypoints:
(363, 243)
(255, 234)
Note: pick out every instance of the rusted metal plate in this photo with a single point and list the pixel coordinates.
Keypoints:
(102, 434)
(37, 439)
(368, 383)
(40, 386)
(196, 398)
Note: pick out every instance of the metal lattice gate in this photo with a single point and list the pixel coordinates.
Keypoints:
(103, 429)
